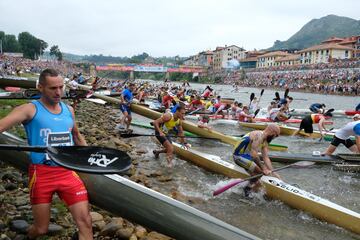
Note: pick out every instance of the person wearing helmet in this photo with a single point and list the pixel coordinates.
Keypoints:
(343, 136)
(246, 154)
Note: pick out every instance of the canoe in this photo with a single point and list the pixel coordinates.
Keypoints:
(229, 120)
(345, 167)
(17, 82)
(285, 157)
(284, 130)
(335, 113)
(277, 189)
(142, 205)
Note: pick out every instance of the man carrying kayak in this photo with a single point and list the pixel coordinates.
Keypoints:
(246, 154)
(169, 123)
(126, 99)
(343, 136)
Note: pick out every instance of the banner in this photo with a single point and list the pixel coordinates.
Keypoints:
(140, 68)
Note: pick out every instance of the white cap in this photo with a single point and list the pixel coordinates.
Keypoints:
(356, 116)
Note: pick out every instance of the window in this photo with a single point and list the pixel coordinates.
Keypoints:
(346, 53)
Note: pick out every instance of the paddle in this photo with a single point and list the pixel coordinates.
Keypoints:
(286, 92)
(237, 181)
(277, 96)
(88, 159)
(193, 112)
(252, 95)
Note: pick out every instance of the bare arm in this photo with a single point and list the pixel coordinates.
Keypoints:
(164, 118)
(357, 139)
(77, 136)
(256, 139)
(321, 125)
(181, 133)
(19, 115)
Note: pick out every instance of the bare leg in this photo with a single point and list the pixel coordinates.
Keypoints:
(329, 150)
(82, 218)
(169, 152)
(41, 214)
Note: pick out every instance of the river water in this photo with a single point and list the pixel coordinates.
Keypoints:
(267, 219)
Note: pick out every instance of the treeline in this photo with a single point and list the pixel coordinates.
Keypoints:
(136, 59)
(27, 44)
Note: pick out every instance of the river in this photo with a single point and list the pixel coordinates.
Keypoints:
(267, 219)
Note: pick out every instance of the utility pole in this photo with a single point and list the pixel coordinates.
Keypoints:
(1, 46)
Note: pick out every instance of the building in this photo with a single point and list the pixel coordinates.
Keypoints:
(192, 61)
(325, 53)
(352, 42)
(206, 58)
(292, 59)
(250, 59)
(222, 55)
(269, 59)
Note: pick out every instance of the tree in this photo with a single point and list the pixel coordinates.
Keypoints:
(55, 51)
(31, 46)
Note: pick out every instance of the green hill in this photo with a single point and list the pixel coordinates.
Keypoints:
(318, 30)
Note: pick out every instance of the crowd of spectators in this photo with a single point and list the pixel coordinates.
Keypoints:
(340, 77)
(10, 65)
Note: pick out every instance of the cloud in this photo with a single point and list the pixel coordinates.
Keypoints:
(163, 28)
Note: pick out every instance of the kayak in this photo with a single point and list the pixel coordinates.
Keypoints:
(278, 189)
(229, 120)
(285, 157)
(284, 130)
(335, 113)
(140, 204)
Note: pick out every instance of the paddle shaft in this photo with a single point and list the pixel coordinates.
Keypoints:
(238, 181)
(39, 149)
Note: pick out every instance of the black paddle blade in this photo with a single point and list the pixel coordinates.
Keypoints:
(96, 160)
(256, 112)
(277, 95)
(286, 92)
(252, 95)
(262, 92)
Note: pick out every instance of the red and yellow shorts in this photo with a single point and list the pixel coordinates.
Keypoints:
(45, 180)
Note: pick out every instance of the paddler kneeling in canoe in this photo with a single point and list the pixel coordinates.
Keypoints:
(246, 154)
(169, 123)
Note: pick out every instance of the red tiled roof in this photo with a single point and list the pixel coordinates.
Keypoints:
(276, 53)
(326, 46)
(333, 39)
(292, 57)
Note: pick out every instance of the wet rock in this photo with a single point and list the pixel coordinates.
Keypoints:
(19, 226)
(4, 237)
(2, 225)
(21, 201)
(141, 151)
(140, 231)
(2, 189)
(164, 178)
(98, 225)
(54, 229)
(10, 186)
(111, 228)
(95, 216)
(156, 236)
(133, 237)
(125, 233)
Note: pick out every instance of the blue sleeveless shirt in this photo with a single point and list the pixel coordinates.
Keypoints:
(49, 129)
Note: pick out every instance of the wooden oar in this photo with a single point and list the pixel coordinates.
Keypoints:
(237, 181)
(88, 159)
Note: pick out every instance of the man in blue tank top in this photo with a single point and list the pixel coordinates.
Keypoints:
(50, 122)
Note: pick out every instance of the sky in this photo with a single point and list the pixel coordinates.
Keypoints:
(164, 27)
